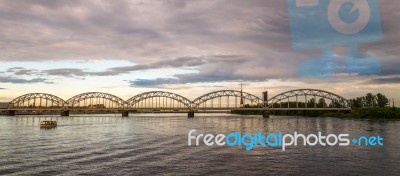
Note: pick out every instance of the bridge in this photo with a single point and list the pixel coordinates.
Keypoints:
(168, 102)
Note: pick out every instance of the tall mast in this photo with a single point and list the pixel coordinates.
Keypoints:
(393, 103)
(241, 93)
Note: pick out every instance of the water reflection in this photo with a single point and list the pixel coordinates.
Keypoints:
(157, 144)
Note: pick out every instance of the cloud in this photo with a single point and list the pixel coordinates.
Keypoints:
(170, 63)
(147, 31)
(13, 69)
(21, 71)
(180, 62)
(222, 40)
(222, 68)
(67, 72)
(385, 80)
(14, 80)
(154, 82)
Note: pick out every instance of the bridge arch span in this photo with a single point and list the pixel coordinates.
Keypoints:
(283, 98)
(33, 100)
(96, 100)
(202, 100)
(159, 99)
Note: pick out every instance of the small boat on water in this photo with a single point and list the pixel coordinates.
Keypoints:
(48, 124)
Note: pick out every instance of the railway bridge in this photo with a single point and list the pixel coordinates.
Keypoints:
(169, 102)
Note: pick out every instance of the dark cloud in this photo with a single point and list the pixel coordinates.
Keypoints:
(23, 81)
(181, 62)
(155, 82)
(142, 31)
(173, 63)
(25, 72)
(227, 68)
(67, 72)
(385, 80)
(20, 71)
(13, 69)
(223, 40)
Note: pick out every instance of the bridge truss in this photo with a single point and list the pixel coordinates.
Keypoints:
(227, 99)
(38, 100)
(95, 100)
(308, 98)
(158, 100)
(168, 101)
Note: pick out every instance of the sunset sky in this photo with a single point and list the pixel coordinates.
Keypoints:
(186, 47)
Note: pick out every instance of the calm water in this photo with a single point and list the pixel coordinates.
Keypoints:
(145, 144)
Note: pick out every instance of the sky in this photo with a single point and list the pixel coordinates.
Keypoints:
(188, 47)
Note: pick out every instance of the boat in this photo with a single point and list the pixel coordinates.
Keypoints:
(48, 124)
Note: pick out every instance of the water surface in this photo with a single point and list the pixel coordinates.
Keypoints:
(147, 144)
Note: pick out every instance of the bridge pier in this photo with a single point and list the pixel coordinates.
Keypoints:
(265, 114)
(11, 113)
(64, 113)
(191, 114)
(125, 113)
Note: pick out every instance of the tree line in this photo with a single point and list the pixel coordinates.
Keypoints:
(370, 101)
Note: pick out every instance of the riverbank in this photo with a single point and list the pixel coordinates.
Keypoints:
(361, 113)
(368, 113)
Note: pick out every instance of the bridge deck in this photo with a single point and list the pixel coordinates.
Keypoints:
(175, 109)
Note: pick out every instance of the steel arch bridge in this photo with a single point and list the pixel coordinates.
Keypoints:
(158, 100)
(336, 100)
(38, 100)
(202, 100)
(93, 100)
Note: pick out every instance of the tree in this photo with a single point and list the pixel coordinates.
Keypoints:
(311, 102)
(382, 100)
(357, 102)
(321, 103)
(370, 100)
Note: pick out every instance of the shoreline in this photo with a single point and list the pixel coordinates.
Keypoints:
(360, 113)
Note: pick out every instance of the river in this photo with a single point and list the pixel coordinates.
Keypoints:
(149, 144)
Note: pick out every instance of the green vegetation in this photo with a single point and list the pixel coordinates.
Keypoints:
(366, 107)
(370, 101)
(368, 113)
(371, 107)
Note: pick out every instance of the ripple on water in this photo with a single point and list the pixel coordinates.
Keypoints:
(157, 144)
